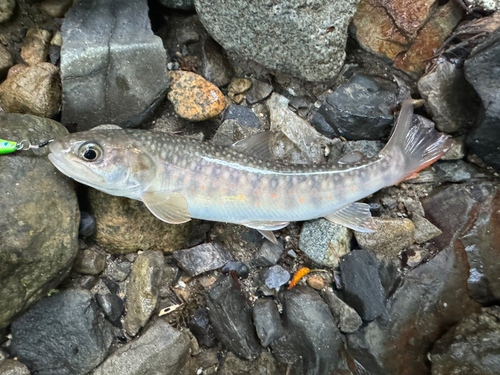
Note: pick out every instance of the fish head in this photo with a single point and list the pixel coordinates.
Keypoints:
(108, 160)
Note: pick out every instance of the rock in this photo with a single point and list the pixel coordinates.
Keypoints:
(243, 115)
(414, 207)
(409, 16)
(12, 367)
(231, 318)
(346, 318)
(362, 287)
(125, 226)
(142, 291)
(6, 9)
(468, 216)
(32, 90)
(315, 282)
(268, 254)
(87, 225)
(369, 149)
(237, 88)
(79, 336)
(112, 306)
(123, 76)
(484, 140)
(117, 269)
(6, 61)
(358, 109)
(450, 100)
(303, 39)
(159, 350)
(424, 229)
(56, 8)
(456, 171)
(194, 98)
(39, 224)
(456, 150)
(178, 4)
(325, 242)
(240, 268)
(215, 69)
(36, 46)
(258, 92)
(275, 277)
(266, 318)
(232, 131)
(90, 262)
(471, 347)
(263, 365)
(202, 258)
(390, 237)
(312, 342)
(491, 5)
(202, 329)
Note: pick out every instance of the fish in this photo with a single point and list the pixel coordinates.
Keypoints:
(179, 178)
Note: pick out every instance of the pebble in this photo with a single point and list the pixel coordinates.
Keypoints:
(424, 229)
(275, 277)
(13, 367)
(266, 318)
(215, 69)
(90, 262)
(346, 318)
(202, 258)
(33, 90)
(456, 150)
(268, 254)
(36, 46)
(244, 115)
(265, 364)
(240, 268)
(6, 9)
(6, 61)
(56, 8)
(315, 282)
(112, 306)
(87, 226)
(259, 91)
(117, 269)
(200, 326)
(238, 86)
(194, 98)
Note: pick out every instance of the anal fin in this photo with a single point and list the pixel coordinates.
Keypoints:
(266, 228)
(356, 216)
(167, 206)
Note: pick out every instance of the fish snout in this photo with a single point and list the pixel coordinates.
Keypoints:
(56, 147)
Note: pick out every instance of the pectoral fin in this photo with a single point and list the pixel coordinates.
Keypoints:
(167, 206)
(356, 216)
(266, 228)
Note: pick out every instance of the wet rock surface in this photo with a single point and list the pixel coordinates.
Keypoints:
(268, 254)
(202, 258)
(267, 321)
(275, 277)
(80, 337)
(11, 367)
(122, 76)
(346, 318)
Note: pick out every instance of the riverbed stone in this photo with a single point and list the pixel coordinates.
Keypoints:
(346, 318)
(40, 218)
(265, 364)
(36, 46)
(202, 258)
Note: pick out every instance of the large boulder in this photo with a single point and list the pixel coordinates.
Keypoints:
(39, 221)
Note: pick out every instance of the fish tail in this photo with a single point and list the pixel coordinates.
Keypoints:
(418, 146)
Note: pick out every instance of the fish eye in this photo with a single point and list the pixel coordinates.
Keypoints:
(90, 152)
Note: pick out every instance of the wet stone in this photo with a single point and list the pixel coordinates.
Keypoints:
(240, 268)
(243, 115)
(360, 109)
(275, 277)
(455, 171)
(268, 254)
(90, 262)
(362, 286)
(265, 364)
(266, 318)
(202, 329)
(6, 61)
(230, 316)
(87, 225)
(70, 311)
(56, 8)
(346, 318)
(7, 9)
(36, 46)
(117, 269)
(237, 88)
(12, 367)
(409, 15)
(390, 237)
(231, 131)
(424, 229)
(325, 242)
(315, 282)
(112, 306)
(456, 150)
(215, 69)
(194, 98)
(202, 258)
(259, 91)
(159, 350)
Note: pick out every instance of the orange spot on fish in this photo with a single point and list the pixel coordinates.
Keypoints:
(274, 195)
(203, 187)
(314, 191)
(301, 200)
(223, 190)
(298, 275)
(352, 188)
(291, 192)
(175, 176)
(258, 204)
(256, 192)
(330, 197)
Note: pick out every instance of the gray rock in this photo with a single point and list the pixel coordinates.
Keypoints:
(480, 71)
(160, 350)
(215, 68)
(90, 262)
(143, 289)
(117, 269)
(231, 131)
(450, 100)
(424, 229)
(79, 335)
(244, 115)
(275, 277)
(488, 5)
(346, 318)
(201, 328)
(178, 4)
(87, 225)
(11, 367)
(7, 10)
(325, 242)
(122, 75)
(240, 268)
(312, 342)
(470, 347)
(362, 286)
(39, 224)
(266, 318)
(268, 254)
(455, 171)
(259, 91)
(360, 109)
(305, 39)
(368, 148)
(231, 318)
(112, 306)
(265, 364)
(456, 150)
(202, 258)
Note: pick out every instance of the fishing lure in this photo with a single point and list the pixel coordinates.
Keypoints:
(300, 274)
(7, 147)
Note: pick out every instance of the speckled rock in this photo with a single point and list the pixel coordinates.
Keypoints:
(237, 87)
(491, 5)
(325, 242)
(390, 237)
(424, 229)
(40, 218)
(142, 291)
(125, 226)
(6, 61)
(12, 367)
(32, 90)
(6, 9)
(194, 98)
(36, 46)
(302, 38)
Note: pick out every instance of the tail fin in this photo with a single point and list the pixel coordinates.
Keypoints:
(419, 146)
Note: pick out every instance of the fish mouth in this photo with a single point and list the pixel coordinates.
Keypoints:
(71, 169)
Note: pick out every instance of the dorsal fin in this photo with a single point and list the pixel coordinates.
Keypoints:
(258, 145)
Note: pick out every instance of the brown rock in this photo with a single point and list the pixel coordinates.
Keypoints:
(56, 8)
(36, 46)
(237, 88)
(409, 15)
(6, 9)
(32, 90)
(125, 226)
(316, 282)
(195, 98)
(6, 61)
